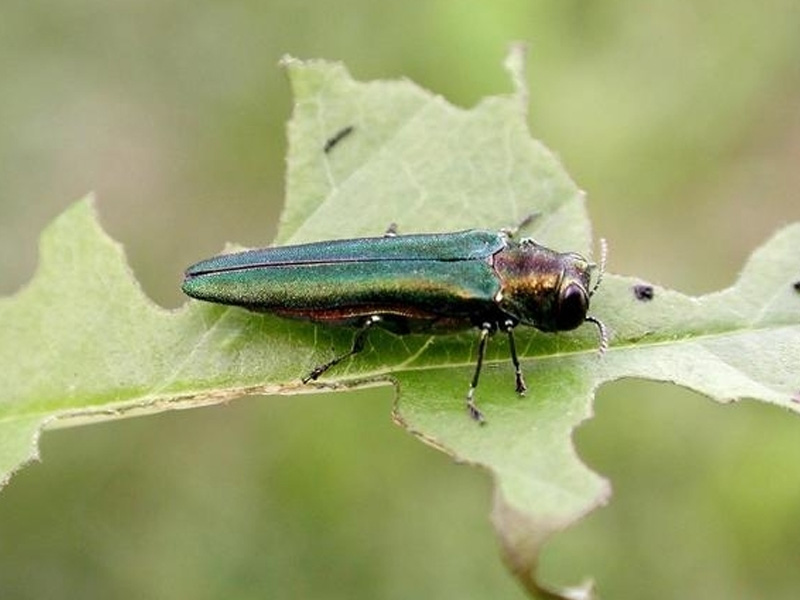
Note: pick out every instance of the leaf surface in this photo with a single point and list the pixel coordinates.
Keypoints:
(84, 343)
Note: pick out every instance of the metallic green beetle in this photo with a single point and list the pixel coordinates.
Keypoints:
(434, 283)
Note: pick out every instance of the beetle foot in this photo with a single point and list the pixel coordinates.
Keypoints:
(314, 375)
(521, 387)
(474, 411)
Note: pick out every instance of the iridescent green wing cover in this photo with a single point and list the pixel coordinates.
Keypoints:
(422, 277)
(461, 245)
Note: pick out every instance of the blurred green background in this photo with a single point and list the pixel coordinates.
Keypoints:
(680, 119)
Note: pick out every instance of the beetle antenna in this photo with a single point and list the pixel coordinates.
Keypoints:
(603, 256)
(601, 328)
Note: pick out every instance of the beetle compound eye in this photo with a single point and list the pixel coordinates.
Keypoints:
(572, 307)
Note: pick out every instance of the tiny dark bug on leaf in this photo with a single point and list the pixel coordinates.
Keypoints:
(796, 286)
(644, 292)
(337, 137)
(423, 283)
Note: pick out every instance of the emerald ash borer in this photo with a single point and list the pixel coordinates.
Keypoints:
(422, 283)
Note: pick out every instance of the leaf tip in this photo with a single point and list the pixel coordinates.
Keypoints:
(287, 61)
(515, 63)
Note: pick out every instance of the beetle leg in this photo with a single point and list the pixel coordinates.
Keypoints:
(472, 408)
(512, 232)
(358, 346)
(520, 379)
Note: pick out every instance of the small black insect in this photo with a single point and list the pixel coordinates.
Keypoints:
(338, 137)
(644, 292)
(796, 286)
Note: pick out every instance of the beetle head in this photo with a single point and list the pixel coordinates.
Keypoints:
(546, 289)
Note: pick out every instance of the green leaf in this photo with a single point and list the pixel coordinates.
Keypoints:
(82, 342)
